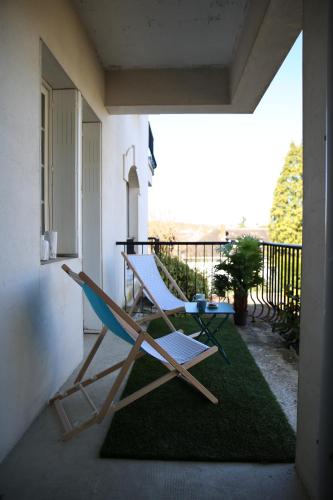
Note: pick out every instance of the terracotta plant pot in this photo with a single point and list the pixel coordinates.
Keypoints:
(240, 306)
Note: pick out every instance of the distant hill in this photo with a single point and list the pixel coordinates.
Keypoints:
(259, 232)
(182, 231)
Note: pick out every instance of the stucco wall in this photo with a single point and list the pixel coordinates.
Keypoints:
(124, 131)
(40, 308)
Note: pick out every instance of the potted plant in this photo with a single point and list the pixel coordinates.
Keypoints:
(239, 271)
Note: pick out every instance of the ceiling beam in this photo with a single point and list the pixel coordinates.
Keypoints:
(166, 90)
(270, 30)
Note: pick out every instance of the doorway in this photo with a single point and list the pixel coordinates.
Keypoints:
(91, 209)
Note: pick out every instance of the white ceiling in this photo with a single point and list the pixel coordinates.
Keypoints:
(183, 56)
(131, 34)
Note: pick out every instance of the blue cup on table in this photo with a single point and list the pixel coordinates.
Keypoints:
(201, 304)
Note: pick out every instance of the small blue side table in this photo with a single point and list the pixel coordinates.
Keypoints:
(204, 320)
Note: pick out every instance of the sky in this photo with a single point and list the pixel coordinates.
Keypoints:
(218, 169)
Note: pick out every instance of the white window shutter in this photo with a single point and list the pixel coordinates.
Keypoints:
(64, 172)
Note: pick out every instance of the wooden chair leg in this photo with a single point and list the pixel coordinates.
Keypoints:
(195, 382)
(135, 301)
(91, 355)
(182, 369)
(91, 380)
(71, 429)
(166, 378)
(144, 390)
(117, 383)
(201, 388)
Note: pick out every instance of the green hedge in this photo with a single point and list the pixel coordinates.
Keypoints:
(190, 281)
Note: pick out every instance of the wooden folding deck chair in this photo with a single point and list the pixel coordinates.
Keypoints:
(175, 351)
(146, 269)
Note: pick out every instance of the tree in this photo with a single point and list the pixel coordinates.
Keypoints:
(287, 212)
(163, 230)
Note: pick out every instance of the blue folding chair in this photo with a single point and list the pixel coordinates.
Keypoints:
(176, 351)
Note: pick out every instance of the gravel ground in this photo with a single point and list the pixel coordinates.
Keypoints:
(278, 363)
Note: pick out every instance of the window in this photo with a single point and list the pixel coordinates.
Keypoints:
(59, 146)
(60, 154)
(44, 158)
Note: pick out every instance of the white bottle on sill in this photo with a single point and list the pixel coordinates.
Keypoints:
(44, 248)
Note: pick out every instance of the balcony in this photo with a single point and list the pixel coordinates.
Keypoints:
(192, 264)
(272, 330)
(41, 450)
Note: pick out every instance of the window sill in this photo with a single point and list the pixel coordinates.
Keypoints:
(59, 259)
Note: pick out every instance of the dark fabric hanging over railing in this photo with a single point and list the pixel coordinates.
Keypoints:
(151, 147)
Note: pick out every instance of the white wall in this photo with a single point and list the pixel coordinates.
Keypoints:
(124, 132)
(40, 308)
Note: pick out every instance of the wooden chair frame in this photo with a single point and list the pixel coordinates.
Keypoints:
(144, 289)
(111, 403)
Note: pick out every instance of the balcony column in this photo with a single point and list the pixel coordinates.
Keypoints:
(312, 341)
(326, 400)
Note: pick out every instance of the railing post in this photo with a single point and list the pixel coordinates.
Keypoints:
(130, 246)
(156, 246)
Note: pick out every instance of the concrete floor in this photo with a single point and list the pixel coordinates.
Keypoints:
(41, 466)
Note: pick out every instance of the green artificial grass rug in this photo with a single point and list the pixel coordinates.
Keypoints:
(175, 422)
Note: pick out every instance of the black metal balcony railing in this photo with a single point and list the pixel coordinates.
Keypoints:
(192, 265)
